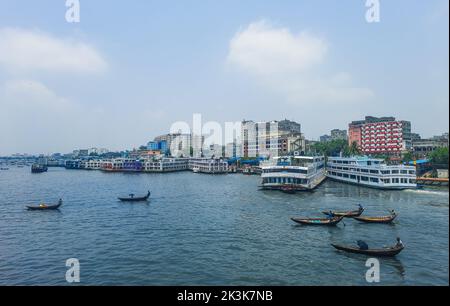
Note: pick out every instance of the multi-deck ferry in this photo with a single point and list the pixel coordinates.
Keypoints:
(371, 172)
(293, 173)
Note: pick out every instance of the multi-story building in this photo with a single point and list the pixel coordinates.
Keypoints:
(337, 134)
(423, 147)
(383, 135)
(264, 139)
(325, 138)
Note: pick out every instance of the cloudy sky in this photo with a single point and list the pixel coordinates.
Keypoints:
(130, 69)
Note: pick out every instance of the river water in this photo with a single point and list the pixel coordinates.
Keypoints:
(209, 230)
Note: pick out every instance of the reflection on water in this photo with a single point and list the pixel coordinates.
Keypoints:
(209, 230)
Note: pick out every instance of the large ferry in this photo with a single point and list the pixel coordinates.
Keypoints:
(371, 172)
(293, 173)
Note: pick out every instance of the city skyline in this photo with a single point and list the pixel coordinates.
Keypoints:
(117, 82)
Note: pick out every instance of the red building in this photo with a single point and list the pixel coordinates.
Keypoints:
(379, 135)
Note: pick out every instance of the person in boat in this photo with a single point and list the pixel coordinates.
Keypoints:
(399, 242)
(360, 207)
(330, 215)
(393, 213)
(362, 245)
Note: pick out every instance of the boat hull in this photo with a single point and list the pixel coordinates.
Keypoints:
(380, 220)
(389, 252)
(318, 222)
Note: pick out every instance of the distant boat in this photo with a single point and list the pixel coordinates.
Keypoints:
(46, 207)
(383, 219)
(38, 168)
(196, 170)
(132, 198)
(347, 214)
(4, 169)
(318, 221)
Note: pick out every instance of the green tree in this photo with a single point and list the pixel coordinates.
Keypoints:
(439, 156)
(407, 157)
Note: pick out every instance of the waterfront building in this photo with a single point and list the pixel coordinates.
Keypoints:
(75, 164)
(423, 147)
(371, 172)
(208, 165)
(383, 135)
(153, 145)
(325, 138)
(293, 173)
(337, 134)
(212, 151)
(274, 138)
(233, 150)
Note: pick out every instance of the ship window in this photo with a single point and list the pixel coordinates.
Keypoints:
(364, 178)
(395, 180)
(374, 180)
(404, 172)
(345, 175)
(385, 172)
(374, 171)
(353, 177)
(394, 171)
(365, 170)
(412, 172)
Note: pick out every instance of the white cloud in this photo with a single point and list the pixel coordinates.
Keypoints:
(31, 50)
(290, 64)
(263, 49)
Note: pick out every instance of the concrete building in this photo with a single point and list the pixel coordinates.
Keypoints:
(337, 134)
(268, 139)
(383, 135)
(325, 138)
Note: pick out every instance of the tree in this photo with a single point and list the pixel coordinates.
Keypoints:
(439, 156)
(407, 157)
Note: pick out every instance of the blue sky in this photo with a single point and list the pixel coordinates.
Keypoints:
(131, 69)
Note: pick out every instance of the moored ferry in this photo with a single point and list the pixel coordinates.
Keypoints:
(371, 172)
(293, 173)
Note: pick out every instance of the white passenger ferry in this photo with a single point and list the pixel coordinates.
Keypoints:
(371, 172)
(293, 173)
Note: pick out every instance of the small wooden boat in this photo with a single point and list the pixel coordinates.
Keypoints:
(46, 207)
(318, 221)
(288, 189)
(383, 220)
(385, 252)
(347, 214)
(132, 198)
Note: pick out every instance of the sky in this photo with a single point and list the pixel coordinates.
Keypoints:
(130, 69)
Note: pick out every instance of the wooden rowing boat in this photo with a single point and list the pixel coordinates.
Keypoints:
(318, 221)
(385, 252)
(347, 214)
(46, 207)
(132, 198)
(382, 220)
